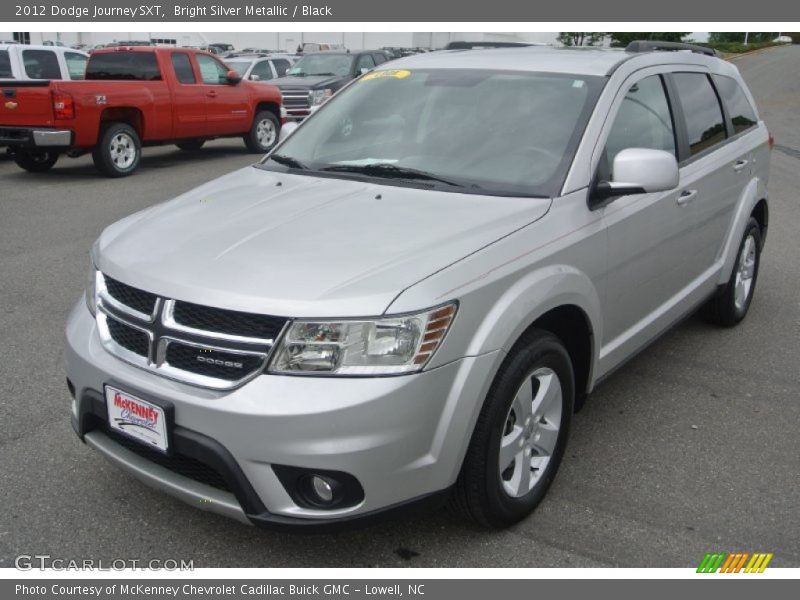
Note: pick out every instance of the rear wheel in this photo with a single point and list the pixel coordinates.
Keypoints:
(119, 150)
(520, 435)
(36, 162)
(191, 145)
(263, 134)
(732, 301)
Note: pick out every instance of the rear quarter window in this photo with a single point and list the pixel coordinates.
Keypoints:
(129, 66)
(76, 64)
(5, 65)
(705, 125)
(41, 64)
(742, 113)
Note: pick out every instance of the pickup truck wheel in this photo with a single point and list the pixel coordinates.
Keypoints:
(263, 134)
(119, 150)
(729, 305)
(36, 162)
(520, 436)
(191, 145)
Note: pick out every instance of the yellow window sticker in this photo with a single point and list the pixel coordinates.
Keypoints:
(396, 73)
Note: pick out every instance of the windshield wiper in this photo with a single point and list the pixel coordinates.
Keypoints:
(321, 74)
(288, 161)
(390, 172)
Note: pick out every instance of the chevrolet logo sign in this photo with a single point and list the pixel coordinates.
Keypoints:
(11, 105)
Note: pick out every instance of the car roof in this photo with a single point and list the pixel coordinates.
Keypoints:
(42, 47)
(576, 61)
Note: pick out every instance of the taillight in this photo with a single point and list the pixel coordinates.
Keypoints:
(63, 106)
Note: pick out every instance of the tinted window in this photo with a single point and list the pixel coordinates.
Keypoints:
(183, 67)
(212, 70)
(741, 111)
(281, 66)
(41, 64)
(365, 61)
(5, 65)
(379, 58)
(416, 120)
(643, 121)
(135, 66)
(76, 64)
(262, 70)
(704, 122)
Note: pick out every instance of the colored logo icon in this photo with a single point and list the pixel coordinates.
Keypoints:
(738, 562)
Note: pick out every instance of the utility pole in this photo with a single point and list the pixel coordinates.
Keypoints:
(746, 35)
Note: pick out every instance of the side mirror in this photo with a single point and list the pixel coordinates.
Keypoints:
(639, 171)
(255, 78)
(233, 77)
(287, 129)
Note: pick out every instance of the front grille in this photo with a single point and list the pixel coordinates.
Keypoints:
(128, 337)
(295, 100)
(139, 300)
(227, 322)
(177, 463)
(212, 363)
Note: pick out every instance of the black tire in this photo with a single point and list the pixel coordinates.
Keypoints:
(36, 162)
(111, 155)
(191, 145)
(258, 144)
(480, 493)
(724, 308)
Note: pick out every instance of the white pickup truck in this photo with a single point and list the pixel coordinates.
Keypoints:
(24, 62)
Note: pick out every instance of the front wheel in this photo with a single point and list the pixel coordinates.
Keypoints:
(119, 150)
(263, 134)
(729, 305)
(520, 435)
(36, 162)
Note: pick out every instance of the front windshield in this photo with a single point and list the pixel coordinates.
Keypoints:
(322, 64)
(240, 66)
(461, 130)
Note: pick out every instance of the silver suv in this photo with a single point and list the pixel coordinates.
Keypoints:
(407, 300)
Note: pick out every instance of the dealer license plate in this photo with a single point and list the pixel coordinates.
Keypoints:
(138, 419)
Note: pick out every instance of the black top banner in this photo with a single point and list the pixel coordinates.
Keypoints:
(408, 10)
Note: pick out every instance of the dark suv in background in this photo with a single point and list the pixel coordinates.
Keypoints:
(318, 76)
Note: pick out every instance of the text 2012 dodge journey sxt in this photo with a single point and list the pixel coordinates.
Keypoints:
(406, 301)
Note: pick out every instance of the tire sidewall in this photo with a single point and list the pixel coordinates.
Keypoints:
(106, 161)
(753, 230)
(253, 142)
(28, 162)
(545, 351)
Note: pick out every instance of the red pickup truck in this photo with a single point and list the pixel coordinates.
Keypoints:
(135, 96)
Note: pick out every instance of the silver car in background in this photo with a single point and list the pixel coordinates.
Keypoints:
(406, 301)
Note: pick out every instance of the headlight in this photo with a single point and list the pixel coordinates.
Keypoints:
(319, 96)
(390, 345)
(91, 288)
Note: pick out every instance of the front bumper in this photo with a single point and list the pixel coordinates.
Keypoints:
(35, 137)
(402, 438)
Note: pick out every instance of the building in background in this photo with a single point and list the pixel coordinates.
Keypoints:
(286, 41)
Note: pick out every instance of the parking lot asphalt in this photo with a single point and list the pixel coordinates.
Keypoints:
(692, 447)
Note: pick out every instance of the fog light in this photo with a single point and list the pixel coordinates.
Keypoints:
(322, 489)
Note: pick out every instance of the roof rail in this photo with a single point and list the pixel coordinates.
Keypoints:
(653, 46)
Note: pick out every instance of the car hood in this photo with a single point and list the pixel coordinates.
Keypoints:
(296, 245)
(310, 83)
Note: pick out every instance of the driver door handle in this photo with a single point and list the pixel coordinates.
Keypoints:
(212, 93)
(739, 165)
(686, 197)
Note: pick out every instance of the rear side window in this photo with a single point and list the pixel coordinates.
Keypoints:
(742, 114)
(281, 66)
(41, 64)
(365, 61)
(643, 121)
(262, 70)
(704, 122)
(76, 64)
(379, 58)
(5, 65)
(183, 68)
(131, 66)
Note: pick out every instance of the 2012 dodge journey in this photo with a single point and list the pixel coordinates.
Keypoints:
(405, 301)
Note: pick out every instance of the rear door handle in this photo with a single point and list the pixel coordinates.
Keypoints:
(212, 93)
(686, 197)
(739, 165)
